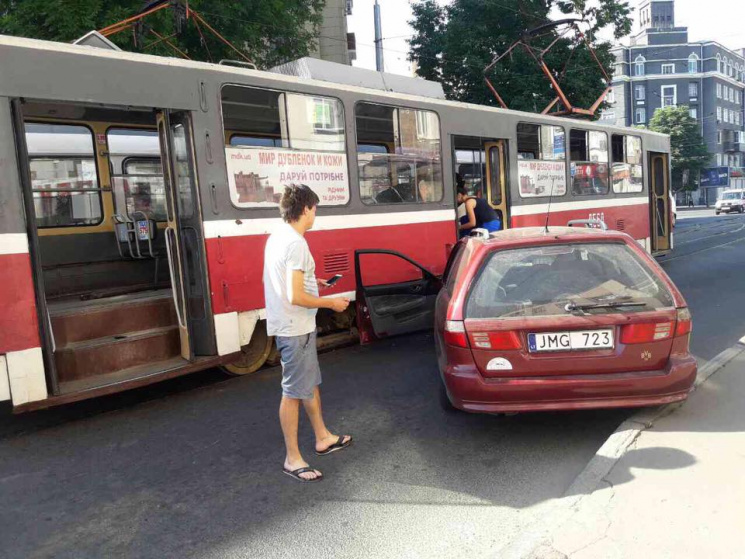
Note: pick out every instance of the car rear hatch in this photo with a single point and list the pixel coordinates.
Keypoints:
(575, 309)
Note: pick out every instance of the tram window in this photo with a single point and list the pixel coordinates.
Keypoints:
(410, 170)
(64, 180)
(588, 150)
(280, 138)
(541, 166)
(471, 166)
(137, 182)
(627, 169)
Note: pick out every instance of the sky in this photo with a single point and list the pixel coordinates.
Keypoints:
(718, 20)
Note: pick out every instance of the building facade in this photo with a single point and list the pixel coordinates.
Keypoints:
(661, 67)
(335, 43)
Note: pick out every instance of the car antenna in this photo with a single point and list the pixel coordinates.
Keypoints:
(548, 210)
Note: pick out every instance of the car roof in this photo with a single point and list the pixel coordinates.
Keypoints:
(523, 234)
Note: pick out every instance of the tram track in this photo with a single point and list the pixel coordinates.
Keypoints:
(708, 232)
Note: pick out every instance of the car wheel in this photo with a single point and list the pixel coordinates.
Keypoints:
(716, 213)
(444, 399)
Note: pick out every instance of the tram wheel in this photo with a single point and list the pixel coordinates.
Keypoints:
(254, 355)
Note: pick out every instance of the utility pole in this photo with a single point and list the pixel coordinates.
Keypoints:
(379, 64)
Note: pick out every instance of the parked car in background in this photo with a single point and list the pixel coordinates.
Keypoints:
(571, 318)
(730, 201)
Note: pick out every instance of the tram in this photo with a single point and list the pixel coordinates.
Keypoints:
(137, 193)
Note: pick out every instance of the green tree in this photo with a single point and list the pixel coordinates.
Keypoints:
(688, 150)
(269, 32)
(453, 44)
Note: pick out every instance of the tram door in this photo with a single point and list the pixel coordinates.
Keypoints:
(496, 180)
(183, 234)
(659, 202)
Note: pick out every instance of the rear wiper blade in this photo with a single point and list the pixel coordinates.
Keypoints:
(571, 307)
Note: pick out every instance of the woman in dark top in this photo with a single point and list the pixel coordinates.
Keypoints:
(479, 214)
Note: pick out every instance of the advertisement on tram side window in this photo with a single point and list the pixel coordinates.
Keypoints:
(538, 178)
(257, 176)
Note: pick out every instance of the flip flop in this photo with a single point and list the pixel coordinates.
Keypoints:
(296, 474)
(338, 445)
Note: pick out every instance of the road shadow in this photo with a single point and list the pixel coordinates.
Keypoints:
(200, 470)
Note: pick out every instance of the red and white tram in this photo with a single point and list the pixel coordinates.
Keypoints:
(137, 194)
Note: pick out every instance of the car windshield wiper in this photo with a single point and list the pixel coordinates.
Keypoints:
(571, 307)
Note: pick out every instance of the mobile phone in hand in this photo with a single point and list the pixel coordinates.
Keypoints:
(332, 281)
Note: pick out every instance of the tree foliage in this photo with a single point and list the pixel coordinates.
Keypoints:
(453, 44)
(688, 150)
(269, 32)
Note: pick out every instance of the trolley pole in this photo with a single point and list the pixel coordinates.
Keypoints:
(379, 63)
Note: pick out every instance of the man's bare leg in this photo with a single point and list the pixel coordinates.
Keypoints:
(289, 415)
(324, 437)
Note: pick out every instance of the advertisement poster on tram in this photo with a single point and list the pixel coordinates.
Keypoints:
(257, 176)
(540, 178)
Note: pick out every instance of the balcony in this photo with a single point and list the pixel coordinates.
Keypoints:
(731, 146)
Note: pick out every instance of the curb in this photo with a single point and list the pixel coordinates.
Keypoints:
(533, 543)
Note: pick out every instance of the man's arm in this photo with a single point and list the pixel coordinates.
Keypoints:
(300, 298)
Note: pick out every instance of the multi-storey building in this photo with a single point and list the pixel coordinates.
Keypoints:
(661, 67)
(335, 43)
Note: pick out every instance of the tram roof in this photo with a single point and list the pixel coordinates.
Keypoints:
(227, 71)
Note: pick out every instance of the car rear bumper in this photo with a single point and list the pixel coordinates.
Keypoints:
(469, 391)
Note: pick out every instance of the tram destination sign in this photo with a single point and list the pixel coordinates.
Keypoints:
(257, 176)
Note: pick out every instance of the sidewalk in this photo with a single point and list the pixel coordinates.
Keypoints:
(679, 490)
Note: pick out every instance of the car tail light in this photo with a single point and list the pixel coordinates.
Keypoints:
(455, 333)
(646, 332)
(496, 340)
(684, 324)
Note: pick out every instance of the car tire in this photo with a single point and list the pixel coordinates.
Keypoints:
(444, 399)
(717, 213)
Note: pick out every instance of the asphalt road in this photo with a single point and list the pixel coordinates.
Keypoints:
(191, 468)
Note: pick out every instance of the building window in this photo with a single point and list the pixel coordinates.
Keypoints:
(669, 95)
(640, 92)
(731, 95)
(410, 172)
(719, 159)
(641, 116)
(668, 68)
(693, 112)
(726, 115)
(65, 186)
(719, 114)
(719, 64)
(541, 165)
(278, 138)
(719, 136)
(692, 64)
(639, 65)
(719, 91)
(730, 70)
(737, 97)
(692, 90)
(588, 152)
(737, 117)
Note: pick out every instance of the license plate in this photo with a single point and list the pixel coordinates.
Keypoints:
(570, 341)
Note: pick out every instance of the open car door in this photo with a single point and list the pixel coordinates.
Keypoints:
(395, 295)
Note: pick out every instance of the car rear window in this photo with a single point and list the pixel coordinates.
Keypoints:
(556, 279)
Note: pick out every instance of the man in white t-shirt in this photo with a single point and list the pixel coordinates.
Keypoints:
(291, 294)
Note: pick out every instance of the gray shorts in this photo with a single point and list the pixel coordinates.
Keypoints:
(300, 370)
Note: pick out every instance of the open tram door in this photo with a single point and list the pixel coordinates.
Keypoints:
(184, 239)
(659, 203)
(496, 180)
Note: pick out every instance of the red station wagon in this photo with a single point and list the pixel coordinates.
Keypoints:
(571, 318)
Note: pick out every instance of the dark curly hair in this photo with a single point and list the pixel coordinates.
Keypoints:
(295, 199)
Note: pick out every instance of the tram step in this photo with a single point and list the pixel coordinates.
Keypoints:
(79, 321)
(108, 354)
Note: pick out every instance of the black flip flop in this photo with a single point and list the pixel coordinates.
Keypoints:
(338, 445)
(296, 474)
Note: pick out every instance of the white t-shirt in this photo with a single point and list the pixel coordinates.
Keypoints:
(286, 251)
